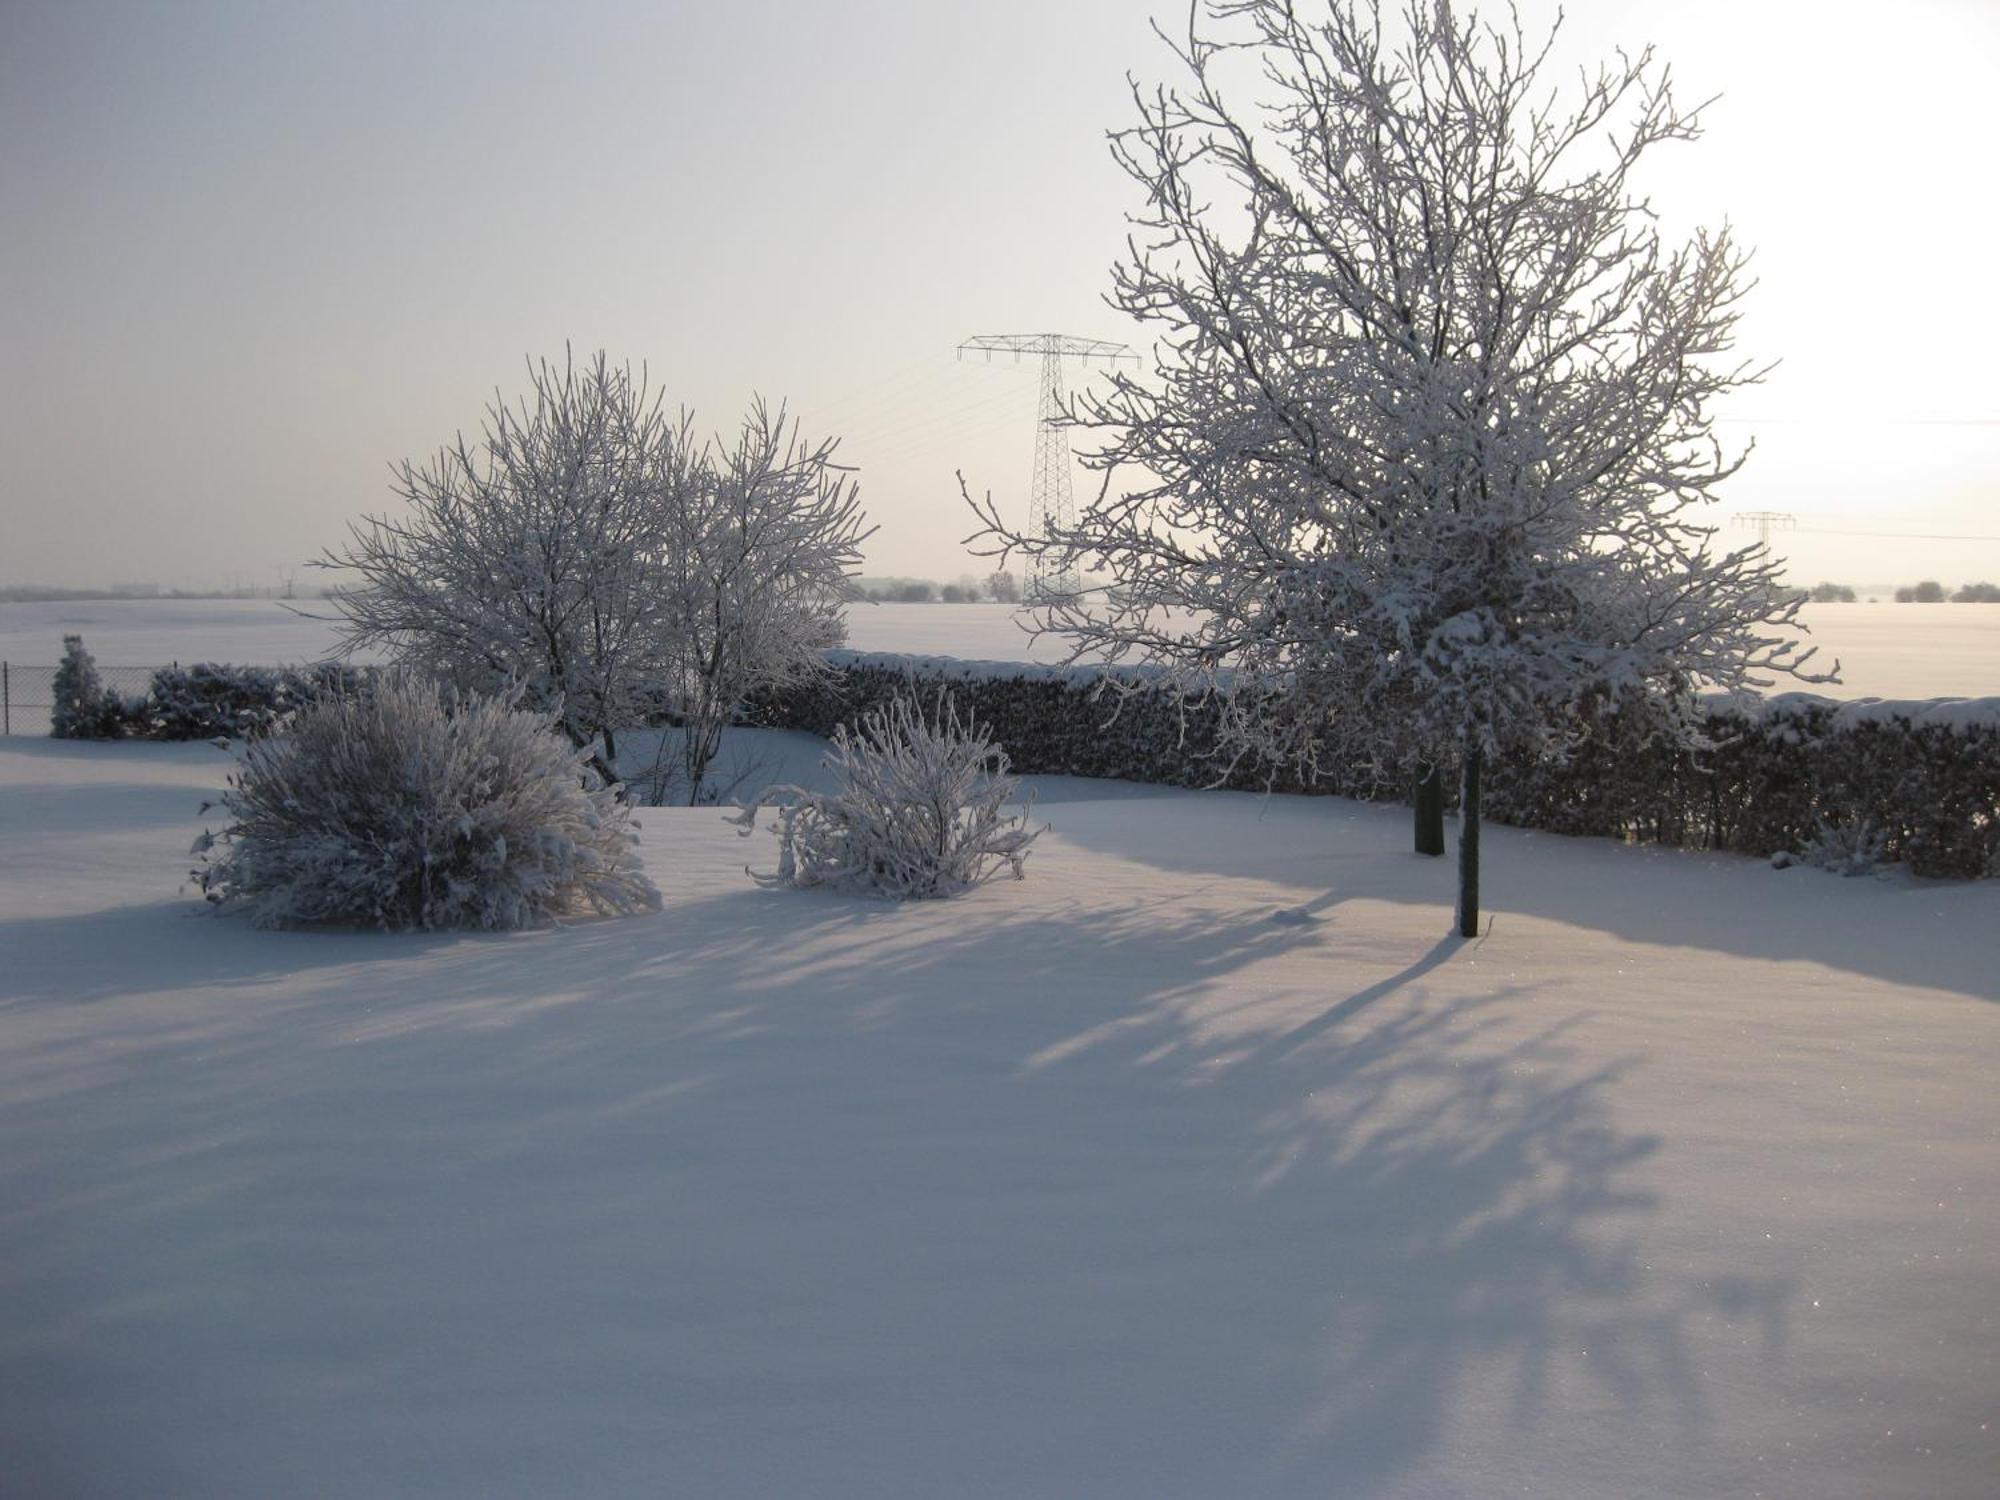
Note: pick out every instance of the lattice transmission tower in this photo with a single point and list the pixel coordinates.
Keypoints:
(1764, 522)
(1051, 493)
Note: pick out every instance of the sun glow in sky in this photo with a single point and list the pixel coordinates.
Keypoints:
(255, 253)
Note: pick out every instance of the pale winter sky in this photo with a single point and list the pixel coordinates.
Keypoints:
(254, 252)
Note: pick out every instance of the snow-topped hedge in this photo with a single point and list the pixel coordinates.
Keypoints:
(212, 700)
(1923, 775)
(1050, 720)
(206, 701)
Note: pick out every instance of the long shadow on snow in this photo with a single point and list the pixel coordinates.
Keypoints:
(1193, 1246)
(1674, 898)
(66, 808)
(179, 944)
(1454, 1187)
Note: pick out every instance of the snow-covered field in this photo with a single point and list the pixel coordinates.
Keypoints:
(1202, 1163)
(1886, 650)
(153, 632)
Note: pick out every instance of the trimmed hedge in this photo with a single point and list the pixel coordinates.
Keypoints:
(213, 700)
(1924, 774)
(206, 701)
(1050, 720)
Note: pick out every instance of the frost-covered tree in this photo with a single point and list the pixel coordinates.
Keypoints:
(528, 556)
(1422, 456)
(755, 561)
(588, 551)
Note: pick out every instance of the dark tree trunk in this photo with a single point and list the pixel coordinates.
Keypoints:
(1468, 845)
(1430, 809)
(608, 774)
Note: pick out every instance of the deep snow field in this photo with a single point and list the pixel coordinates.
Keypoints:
(1201, 1163)
(1885, 650)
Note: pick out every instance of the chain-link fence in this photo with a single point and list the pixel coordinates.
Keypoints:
(27, 693)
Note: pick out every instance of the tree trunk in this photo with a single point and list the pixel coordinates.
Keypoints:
(608, 774)
(1468, 845)
(1430, 809)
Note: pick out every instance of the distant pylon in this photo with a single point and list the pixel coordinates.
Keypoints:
(1051, 496)
(1764, 522)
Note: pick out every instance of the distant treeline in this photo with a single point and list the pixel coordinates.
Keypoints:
(36, 593)
(999, 588)
(1930, 591)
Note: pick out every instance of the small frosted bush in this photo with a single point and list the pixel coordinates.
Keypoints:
(1846, 847)
(406, 808)
(918, 811)
(82, 709)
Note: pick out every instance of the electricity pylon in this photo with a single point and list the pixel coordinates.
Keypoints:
(1764, 522)
(1051, 497)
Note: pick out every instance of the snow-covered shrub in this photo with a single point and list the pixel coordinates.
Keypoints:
(82, 709)
(1845, 846)
(918, 812)
(213, 701)
(216, 700)
(405, 807)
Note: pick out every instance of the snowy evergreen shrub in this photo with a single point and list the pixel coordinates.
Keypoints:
(210, 701)
(82, 709)
(918, 813)
(213, 700)
(408, 808)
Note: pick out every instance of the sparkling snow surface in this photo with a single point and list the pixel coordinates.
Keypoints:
(1885, 650)
(1201, 1163)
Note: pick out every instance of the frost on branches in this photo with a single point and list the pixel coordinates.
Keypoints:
(407, 807)
(754, 561)
(588, 551)
(919, 811)
(1429, 434)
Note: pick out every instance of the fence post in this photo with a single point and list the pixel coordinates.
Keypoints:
(6, 701)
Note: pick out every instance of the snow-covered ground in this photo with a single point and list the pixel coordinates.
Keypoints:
(153, 632)
(1885, 650)
(1201, 1163)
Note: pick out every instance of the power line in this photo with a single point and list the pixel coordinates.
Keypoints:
(1846, 421)
(1764, 522)
(1052, 508)
(1907, 536)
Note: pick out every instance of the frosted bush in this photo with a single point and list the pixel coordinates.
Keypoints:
(407, 808)
(919, 810)
(1846, 847)
(81, 708)
(215, 700)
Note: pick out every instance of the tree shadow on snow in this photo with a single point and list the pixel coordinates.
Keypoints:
(1195, 1241)
(120, 951)
(1901, 930)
